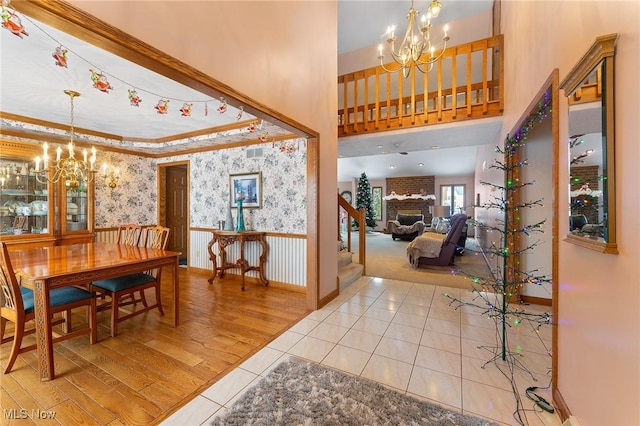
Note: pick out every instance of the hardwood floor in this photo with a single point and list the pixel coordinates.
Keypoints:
(151, 368)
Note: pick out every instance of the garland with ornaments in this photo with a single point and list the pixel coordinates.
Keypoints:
(13, 22)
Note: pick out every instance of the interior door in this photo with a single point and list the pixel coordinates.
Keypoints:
(176, 209)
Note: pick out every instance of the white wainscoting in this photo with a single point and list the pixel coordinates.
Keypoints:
(286, 263)
(106, 235)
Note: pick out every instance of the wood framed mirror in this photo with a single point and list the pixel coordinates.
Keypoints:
(589, 88)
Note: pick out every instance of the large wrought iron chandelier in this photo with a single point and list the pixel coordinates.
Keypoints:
(73, 170)
(416, 47)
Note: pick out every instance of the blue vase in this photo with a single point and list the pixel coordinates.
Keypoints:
(240, 221)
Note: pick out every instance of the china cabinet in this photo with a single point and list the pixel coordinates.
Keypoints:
(33, 213)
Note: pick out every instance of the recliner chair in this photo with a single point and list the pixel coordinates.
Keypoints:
(449, 244)
(406, 226)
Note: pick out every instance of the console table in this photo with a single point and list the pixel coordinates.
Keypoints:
(226, 238)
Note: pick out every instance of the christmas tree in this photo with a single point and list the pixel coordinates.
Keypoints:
(364, 199)
(493, 296)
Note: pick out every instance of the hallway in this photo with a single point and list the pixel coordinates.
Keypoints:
(407, 337)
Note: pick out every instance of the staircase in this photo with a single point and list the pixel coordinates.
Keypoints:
(348, 272)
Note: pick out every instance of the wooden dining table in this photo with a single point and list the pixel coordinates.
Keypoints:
(47, 268)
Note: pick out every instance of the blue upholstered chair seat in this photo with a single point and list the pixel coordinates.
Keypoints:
(122, 283)
(57, 297)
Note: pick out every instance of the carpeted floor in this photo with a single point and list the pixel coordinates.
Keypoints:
(386, 258)
(299, 392)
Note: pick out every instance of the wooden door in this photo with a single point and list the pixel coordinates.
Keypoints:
(176, 209)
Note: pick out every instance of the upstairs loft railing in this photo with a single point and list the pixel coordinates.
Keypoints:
(465, 83)
(589, 91)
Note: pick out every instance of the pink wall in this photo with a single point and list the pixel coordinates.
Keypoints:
(599, 294)
(280, 53)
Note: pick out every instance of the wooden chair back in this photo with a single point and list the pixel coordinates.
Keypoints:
(129, 234)
(12, 308)
(156, 237)
(11, 297)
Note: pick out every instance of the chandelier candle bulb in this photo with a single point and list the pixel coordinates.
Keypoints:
(73, 171)
(416, 42)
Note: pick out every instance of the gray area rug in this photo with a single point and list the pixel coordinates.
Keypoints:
(299, 392)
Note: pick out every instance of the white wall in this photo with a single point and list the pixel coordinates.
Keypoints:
(599, 294)
(488, 194)
(537, 150)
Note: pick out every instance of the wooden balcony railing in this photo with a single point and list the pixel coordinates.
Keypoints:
(465, 83)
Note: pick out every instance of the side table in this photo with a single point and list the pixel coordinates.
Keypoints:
(226, 238)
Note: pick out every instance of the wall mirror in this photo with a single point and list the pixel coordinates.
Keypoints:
(589, 88)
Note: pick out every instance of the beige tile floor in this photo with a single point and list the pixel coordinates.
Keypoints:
(408, 337)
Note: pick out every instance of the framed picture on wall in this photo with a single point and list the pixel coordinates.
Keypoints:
(249, 187)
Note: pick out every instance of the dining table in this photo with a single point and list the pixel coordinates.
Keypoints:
(45, 268)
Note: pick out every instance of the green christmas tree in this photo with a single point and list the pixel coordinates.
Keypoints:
(364, 199)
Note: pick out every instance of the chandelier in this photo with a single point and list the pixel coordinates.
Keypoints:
(416, 48)
(111, 177)
(73, 170)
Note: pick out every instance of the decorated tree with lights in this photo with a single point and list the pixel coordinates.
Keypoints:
(493, 297)
(364, 199)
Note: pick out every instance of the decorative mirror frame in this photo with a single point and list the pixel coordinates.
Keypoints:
(601, 53)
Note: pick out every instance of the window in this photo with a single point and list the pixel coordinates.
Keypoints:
(377, 202)
(453, 196)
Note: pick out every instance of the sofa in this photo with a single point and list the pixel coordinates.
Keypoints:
(406, 226)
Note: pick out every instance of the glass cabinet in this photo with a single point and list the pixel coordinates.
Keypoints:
(24, 202)
(76, 211)
(37, 213)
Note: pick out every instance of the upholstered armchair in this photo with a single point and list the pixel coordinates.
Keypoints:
(436, 249)
(406, 226)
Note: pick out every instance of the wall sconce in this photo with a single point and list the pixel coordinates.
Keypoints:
(110, 177)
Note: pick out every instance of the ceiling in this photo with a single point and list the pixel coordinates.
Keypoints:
(362, 23)
(32, 86)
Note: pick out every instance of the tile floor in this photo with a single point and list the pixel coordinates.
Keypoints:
(407, 337)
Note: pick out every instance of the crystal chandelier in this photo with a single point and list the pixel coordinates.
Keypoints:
(416, 47)
(73, 170)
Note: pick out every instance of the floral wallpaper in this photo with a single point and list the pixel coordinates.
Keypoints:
(134, 198)
(284, 187)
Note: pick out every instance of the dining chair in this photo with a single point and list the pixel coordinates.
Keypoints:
(17, 306)
(129, 234)
(117, 288)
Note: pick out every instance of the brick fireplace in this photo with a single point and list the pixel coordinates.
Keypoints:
(410, 185)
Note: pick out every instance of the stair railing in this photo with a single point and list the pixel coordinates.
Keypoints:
(359, 217)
